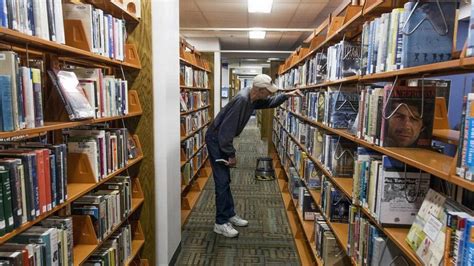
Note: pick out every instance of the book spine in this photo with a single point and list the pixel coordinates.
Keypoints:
(7, 202)
(37, 97)
(3, 222)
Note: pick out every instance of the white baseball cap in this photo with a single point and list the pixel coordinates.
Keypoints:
(264, 81)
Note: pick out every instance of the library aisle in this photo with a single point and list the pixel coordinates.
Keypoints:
(267, 239)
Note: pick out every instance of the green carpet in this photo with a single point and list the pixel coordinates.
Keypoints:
(266, 241)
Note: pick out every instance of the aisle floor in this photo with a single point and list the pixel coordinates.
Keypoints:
(266, 241)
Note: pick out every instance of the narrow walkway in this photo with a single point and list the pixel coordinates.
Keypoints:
(266, 241)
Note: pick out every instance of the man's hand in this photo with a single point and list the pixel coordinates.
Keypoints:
(294, 93)
(232, 162)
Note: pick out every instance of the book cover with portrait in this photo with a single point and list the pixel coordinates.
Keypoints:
(407, 116)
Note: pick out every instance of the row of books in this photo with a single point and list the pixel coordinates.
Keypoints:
(87, 93)
(367, 245)
(115, 250)
(107, 149)
(442, 231)
(389, 190)
(326, 245)
(396, 40)
(194, 77)
(191, 100)
(189, 169)
(34, 181)
(389, 116)
(108, 205)
(465, 163)
(20, 94)
(105, 34)
(192, 144)
(43, 19)
(192, 122)
(49, 243)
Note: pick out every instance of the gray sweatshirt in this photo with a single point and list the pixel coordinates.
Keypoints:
(232, 119)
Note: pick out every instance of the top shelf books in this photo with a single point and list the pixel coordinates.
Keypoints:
(93, 34)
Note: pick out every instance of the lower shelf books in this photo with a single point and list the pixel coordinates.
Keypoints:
(189, 169)
(106, 148)
(50, 243)
(20, 94)
(107, 206)
(194, 121)
(390, 190)
(115, 251)
(327, 247)
(34, 180)
(334, 203)
(192, 144)
(443, 232)
(369, 246)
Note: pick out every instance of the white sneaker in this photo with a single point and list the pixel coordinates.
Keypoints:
(237, 221)
(226, 230)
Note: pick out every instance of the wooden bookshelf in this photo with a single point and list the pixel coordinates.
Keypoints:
(183, 163)
(429, 161)
(80, 177)
(201, 180)
(189, 63)
(341, 231)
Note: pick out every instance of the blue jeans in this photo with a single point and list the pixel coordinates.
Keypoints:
(224, 199)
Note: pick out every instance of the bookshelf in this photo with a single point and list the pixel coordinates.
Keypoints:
(347, 25)
(192, 186)
(80, 176)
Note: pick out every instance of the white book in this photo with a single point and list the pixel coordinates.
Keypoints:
(59, 21)
(105, 21)
(43, 20)
(82, 12)
(125, 96)
(100, 29)
(23, 16)
(89, 89)
(29, 102)
(116, 38)
(99, 135)
(37, 18)
(90, 148)
(120, 39)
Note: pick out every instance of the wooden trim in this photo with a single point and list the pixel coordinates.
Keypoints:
(195, 110)
(194, 132)
(193, 88)
(115, 10)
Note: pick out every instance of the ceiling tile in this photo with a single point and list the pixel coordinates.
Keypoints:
(234, 43)
(308, 12)
(209, 6)
(192, 19)
(188, 5)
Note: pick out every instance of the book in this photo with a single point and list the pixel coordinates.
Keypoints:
(407, 116)
(72, 95)
(427, 43)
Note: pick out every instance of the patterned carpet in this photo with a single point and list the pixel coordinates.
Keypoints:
(266, 241)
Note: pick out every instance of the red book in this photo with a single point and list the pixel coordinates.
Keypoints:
(47, 177)
(42, 182)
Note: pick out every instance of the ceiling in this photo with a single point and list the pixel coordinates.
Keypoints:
(286, 14)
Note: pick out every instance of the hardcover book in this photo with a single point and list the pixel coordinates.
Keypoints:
(408, 116)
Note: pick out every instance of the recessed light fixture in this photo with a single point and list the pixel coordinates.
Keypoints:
(260, 6)
(257, 34)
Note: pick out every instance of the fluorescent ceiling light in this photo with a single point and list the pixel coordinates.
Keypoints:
(257, 34)
(260, 6)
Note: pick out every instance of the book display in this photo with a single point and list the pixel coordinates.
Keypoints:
(359, 142)
(67, 197)
(195, 103)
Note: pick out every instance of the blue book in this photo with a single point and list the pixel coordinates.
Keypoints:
(3, 14)
(428, 32)
(6, 103)
(31, 18)
(344, 107)
(468, 249)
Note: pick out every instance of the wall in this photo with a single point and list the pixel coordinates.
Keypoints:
(166, 128)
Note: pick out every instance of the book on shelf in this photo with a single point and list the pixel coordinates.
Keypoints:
(65, 233)
(46, 238)
(115, 251)
(407, 114)
(193, 100)
(105, 34)
(43, 19)
(106, 148)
